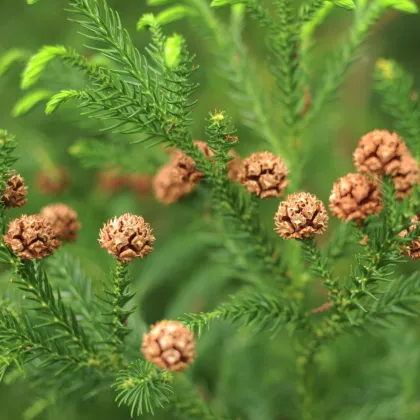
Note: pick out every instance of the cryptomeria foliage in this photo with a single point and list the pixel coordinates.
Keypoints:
(135, 106)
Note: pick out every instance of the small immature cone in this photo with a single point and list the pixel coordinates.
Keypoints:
(264, 175)
(53, 182)
(170, 186)
(31, 237)
(380, 152)
(15, 192)
(169, 345)
(355, 197)
(413, 250)
(406, 177)
(301, 216)
(127, 237)
(64, 221)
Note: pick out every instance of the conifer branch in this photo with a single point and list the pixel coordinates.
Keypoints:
(142, 387)
(186, 402)
(33, 280)
(287, 70)
(356, 300)
(26, 341)
(338, 66)
(116, 298)
(76, 289)
(252, 308)
(93, 153)
(233, 64)
(14, 55)
(30, 101)
(309, 10)
(311, 17)
(400, 100)
(400, 300)
(231, 209)
(178, 135)
(38, 65)
(320, 267)
(151, 94)
(7, 159)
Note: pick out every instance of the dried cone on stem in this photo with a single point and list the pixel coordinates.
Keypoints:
(380, 152)
(169, 345)
(186, 167)
(355, 197)
(301, 216)
(127, 237)
(178, 178)
(170, 186)
(15, 192)
(264, 175)
(53, 182)
(64, 221)
(406, 177)
(31, 237)
(413, 250)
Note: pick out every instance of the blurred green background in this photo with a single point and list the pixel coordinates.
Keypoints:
(167, 282)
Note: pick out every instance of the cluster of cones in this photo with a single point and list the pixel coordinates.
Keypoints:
(301, 215)
(379, 153)
(169, 344)
(38, 235)
(358, 195)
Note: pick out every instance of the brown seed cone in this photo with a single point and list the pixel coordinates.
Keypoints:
(127, 237)
(111, 181)
(379, 152)
(186, 166)
(301, 216)
(407, 176)
(264, 175)
(140, 184)
(170, 186)
(64, 221)
(355, 197)
(15, 192)
(169, 345)
(31, 237)
(413, 250)
(55, 182)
